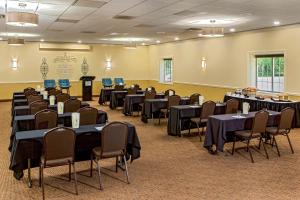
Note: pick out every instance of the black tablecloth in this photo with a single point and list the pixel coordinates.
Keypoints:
(117, 98)
(218, 126)
(179, 117)
(132, 102)
(28, 145)
(105, 95)
(26, 122)
(152, 107)
(256, 105)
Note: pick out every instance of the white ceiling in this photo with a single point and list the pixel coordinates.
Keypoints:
(154, 19)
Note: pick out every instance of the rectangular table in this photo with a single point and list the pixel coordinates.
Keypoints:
(152, 107)
(218, 127)
(105, 95)
(26, 122)
(258, 104)
(179, 117)
(28, 145)
(117, 98)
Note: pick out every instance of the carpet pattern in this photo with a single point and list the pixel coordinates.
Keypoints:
(169, 168)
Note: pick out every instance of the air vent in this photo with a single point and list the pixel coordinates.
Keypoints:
(185, 13)
(88, 32)
(144, 26)
(72, 21)
(194, 29)
(89, 3)
(55, 30)
(125, 17)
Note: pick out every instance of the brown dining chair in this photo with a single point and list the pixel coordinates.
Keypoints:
(58, 153)
(37, 106)
(194, 98)
(149, 94)
(258, 130)
(284, 127)
(113, 145)
(28, 88)
(62, 97)
(132, 91)
(232, 106)
(72, 105)
(136, 86)
(30, 92)
(119, 87)
(208, 109)
(150, 89)
(54, 92)
(173, 100)
(34, 97)
(169, 92)
(45, 119)
(88, 115)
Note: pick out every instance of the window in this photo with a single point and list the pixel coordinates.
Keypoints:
(166, 70)
(270, 73)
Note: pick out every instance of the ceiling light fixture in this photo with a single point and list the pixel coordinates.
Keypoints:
(16, 41)
(212, 32)
(143, 43)
(79, 41)
(157, 41)
(232, 30)
(176, 38)
(42, 40)
(276, 23)
(1, 38)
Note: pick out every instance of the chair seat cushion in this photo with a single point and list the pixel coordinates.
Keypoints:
(97, 153)
(246, 134)
(197, 120)
(57, 162)
(273, 131)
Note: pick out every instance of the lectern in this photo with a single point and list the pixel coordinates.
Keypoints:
(87, 87)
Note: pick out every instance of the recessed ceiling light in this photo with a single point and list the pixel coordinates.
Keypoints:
(143, 43)
(213, 21)
(1, 38)
(79, 41)
(232, 30)
(114, 34)
(200, 35)
(157, 41)
(276, 23)
(42, 40)
(176, 38)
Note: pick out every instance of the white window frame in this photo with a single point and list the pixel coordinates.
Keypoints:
(162, 70)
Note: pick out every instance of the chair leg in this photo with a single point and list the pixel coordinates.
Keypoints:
(248, 143)
(159, 118)
(260, 140)
(127, 175)
(263, 144)
(91, 166)
(190, 124)
(287, 135)
(233, 146)
(29, 172)
(117, 160)
(278, 152)
(69, 171)
(42, 179)
(199, 133)
(75, 178)
(99, 174)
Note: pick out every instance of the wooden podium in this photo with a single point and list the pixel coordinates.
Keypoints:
(87, 87)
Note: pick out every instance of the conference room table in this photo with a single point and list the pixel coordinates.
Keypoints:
(179, 117)
(152, 107)
(221, 127)
(132, 101)
(259, 104)
(105, 95)
(26, 122)
(27, 146)
(117, 98)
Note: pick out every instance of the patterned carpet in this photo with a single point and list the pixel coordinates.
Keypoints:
(169, 168)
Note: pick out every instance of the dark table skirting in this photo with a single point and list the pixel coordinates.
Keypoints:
(220, 127)
(87, 137)
(179, 117)
(26, 123)
(152, 107)
(256, 105)
(117, 98)
(105, 95)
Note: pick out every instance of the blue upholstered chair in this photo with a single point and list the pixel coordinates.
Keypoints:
(49, 84)
(107, 82)
(119, 81)
(64, 84)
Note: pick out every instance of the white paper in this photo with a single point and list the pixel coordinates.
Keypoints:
(99, 128)
(246, 108)
(60, 108)
(194, 106)
(149, 89)
(45, 95)
(171, 93)
(75, 120)
(201, 100)
(52, 100)
(38, 88)
(238, 116)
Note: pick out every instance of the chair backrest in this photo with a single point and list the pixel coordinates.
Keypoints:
(34, 97)
(64, 83)
(72, 105)
(169, 92)
(232, 106)
(260, 122)
(59, 143)
(286, 118)
(114, 138)
(194, 98)
(30, 92)
(173, 100)
(28, 88)
(54, 92)
(136, 86)
(119, 81)
(132, 90)
(208, 109)
(62, 97)
(119, 87)
(49, 83)
(107, 82)
(37, 106)
(45, 119)
(88, 115)
(150, 94)
(148, 89)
